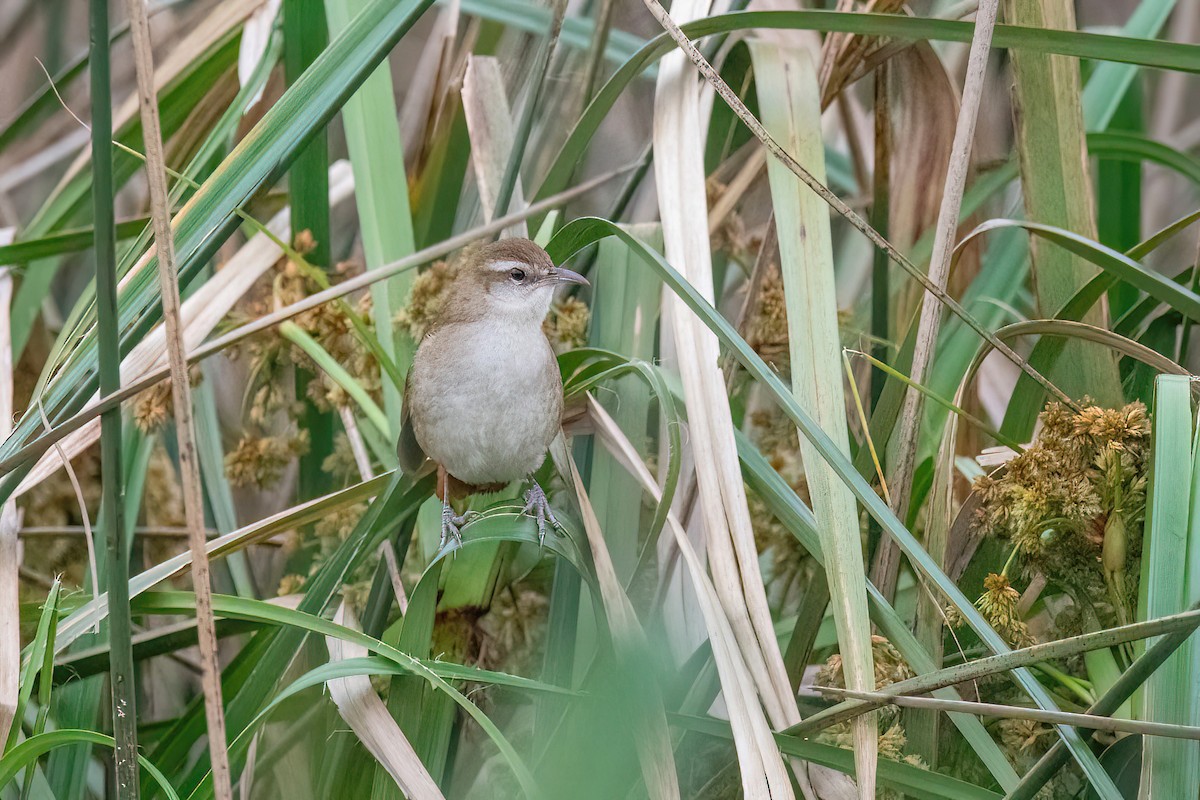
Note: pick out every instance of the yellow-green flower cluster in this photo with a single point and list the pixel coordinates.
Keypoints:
(1073, 503)
(766, 327)
(153, 407)
(890, 667)
(998, 604)
(426, 298)
(260, 461)
(567, 325)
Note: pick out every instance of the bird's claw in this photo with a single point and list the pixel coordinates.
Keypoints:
(538, 506)
(452, 524)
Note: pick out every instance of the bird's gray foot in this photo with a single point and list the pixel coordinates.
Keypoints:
(537, 506)
(451, 524)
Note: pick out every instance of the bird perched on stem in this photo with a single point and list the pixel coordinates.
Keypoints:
(483, 400)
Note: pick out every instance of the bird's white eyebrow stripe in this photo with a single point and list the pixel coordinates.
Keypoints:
(506, 265)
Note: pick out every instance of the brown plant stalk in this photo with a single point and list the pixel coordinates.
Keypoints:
(939, 271)
(181, 391)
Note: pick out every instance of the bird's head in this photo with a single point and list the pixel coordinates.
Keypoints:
(514, 278)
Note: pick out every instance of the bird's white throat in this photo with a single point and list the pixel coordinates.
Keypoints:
(510, 306)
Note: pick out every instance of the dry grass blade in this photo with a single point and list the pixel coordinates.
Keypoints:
(181, 390)
(836, 203)
(762, 771)
(429, 80)
(489, 122)
(889, 49)
(372, 723)
(679, 174)
(923, 108)
(939, 271)
(223, 18)
(81, 502)
(842, 53)
(10, 524)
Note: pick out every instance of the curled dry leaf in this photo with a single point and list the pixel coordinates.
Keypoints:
(369, 718)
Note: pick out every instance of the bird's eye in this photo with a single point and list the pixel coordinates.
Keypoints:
(517, 275)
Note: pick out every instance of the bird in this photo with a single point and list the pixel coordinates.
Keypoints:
(483, 399)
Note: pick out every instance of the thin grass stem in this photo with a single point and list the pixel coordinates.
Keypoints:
(122, 679)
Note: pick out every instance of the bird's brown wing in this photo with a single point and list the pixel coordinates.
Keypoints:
(412, 456)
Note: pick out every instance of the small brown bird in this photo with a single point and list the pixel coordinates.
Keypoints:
(483, 400)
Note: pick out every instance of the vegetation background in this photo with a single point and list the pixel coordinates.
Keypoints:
(880, 471)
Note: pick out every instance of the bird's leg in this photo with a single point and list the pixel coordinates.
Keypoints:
(538, 507)
(451, 524)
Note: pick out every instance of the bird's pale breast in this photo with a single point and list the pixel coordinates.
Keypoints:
(486, 400)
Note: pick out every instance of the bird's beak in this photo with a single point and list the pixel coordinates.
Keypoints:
(564, 275)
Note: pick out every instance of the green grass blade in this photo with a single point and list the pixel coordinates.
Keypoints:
(276, 649)
(377, 156)
(1136, 147)
(45, 676)
(28, 751)
(1026, 403)
(1124, 688)
(304, 37)
(534, 18)
(1109, 82)
(69, 203)
(260, 611)
(1056, 187)
(68, 241)
(800, 522)
(626, 302)
(1170, 768)
(374, 666)
(260, 159)
(43, 639)
(123, 687)
(1164, 55)
(312, 348)
(789, 98)
(216, 485)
